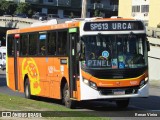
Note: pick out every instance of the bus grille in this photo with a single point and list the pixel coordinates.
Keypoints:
(111, 91)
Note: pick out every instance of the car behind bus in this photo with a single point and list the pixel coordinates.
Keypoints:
(2, 58)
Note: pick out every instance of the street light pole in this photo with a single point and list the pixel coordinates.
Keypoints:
(84, 9)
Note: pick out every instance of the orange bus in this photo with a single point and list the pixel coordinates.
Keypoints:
(80, 59)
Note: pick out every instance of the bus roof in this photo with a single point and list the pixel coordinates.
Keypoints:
(62, 24)
(43, 28)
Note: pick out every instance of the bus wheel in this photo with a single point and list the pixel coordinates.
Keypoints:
(66, 97)
(27, 91)
(122, 103)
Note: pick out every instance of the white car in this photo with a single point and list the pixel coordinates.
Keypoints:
(2, 58)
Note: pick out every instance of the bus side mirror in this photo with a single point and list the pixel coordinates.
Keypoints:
(79, 50)
(78, 47)
(148, 46)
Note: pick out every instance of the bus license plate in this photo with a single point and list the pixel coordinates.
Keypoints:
(119, 92)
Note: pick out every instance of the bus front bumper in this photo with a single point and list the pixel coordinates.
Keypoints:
(88, 93)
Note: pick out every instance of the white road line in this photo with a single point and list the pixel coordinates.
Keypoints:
(137, 107)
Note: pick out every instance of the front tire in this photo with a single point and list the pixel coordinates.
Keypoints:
(122, 103)
(66, 97)
(27, 91)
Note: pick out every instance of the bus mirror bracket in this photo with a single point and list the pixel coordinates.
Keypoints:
(80, 50)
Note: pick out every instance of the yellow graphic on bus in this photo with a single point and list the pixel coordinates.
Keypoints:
(29, 67)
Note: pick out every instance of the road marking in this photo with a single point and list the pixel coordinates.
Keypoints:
(137, 107)
(156, 110)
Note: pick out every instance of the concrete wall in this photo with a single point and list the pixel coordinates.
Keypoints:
(15, 22)
(154, 59)
(154, 63)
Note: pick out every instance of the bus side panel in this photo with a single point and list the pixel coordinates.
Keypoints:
(55, 72)
(42, 76)
(45, 75)
(31, 67)
(10, 73)
(53, 78)
(20, 75)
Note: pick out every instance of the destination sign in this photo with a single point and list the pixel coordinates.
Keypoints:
(113, 26)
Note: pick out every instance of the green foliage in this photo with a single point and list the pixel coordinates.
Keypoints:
(14, 103)
(158, 26)
(10, 8)
(96, 13)
(71, 15)
(7, 7)
(24, 8)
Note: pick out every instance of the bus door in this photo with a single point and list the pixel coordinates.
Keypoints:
(16, 59)
(73, 64)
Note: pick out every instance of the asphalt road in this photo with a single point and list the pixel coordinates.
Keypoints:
(5, 89)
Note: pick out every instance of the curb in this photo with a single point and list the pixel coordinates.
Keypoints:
(154, 83)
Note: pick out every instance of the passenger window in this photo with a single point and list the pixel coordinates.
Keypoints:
(42, 47)
(24, 44)
(51, 43)
(10, 45)
(33, 43)
(62, 43)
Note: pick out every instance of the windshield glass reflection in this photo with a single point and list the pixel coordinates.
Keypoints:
(114, 51)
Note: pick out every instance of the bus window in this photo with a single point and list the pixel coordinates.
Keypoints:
(62, 43)
(42, 48)
(51, 43)
(10, 46)
(24, 44)
(32, 44)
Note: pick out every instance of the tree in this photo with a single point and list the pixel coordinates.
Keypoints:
(7, 7)
(24, 8)
(71, 15)
(96, 13)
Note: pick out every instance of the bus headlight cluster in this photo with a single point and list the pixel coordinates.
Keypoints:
(90, 83)
(146, 79)
(143, 82)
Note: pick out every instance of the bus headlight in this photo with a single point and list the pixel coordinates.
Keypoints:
(86, 81)
(142, 83)
(93, 85)
(90, 83)
(146, 79)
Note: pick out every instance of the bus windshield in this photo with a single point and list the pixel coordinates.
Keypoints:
(114, 51)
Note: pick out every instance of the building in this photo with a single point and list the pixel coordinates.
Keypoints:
(145, 10)
(64, 8)
(154, 16)
(138, 9)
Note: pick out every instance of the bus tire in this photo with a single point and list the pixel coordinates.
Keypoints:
(66, 97)
(27, 91)
(122, 103)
